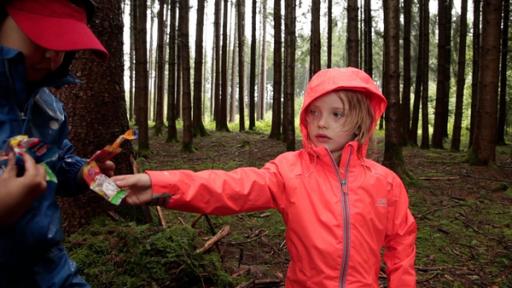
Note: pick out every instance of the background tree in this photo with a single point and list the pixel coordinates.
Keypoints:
(172, 133)
(252, 69)
(197, 121)
(443, 73)
(477, 5)
(352, 34)
(217, 38)
(502, 115)
(185, 60)
(461, 79)
(263, 67)
(368, 50)
(329, 33)
(241, 62)
(159, 72)
(483, 150)
(275, 131)
(314, 43)
(393, 157)
(289, 74)
(425, 76)
(406, 91)
(141, 76)
(222, 120)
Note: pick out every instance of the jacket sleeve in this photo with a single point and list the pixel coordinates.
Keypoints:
(219, 192)
(400, 242)
(67, 170)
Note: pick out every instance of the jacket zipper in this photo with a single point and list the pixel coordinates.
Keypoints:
(346, 218)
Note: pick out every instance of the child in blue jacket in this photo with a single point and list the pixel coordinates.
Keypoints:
(38, 39)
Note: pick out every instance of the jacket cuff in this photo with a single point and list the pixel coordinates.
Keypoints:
(160, 186)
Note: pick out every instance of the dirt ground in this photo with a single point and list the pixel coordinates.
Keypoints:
(463, 212)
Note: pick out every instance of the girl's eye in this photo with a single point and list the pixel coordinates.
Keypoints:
(313, 112)
(338, 115)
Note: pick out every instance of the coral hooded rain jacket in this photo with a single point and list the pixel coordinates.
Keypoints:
(338, 217)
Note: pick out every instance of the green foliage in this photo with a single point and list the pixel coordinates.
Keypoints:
(128, 255)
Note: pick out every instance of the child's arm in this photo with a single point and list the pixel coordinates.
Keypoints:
(209, 191)
(68, 169)
(17, 193)
(400, 245)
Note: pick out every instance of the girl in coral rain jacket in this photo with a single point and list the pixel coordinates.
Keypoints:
(340, 208)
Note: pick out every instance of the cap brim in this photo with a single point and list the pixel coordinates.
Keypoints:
(58, 34)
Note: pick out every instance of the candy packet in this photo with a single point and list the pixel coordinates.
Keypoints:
(99, 182)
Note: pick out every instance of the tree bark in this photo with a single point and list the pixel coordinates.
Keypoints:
(502, 115)
(477, 5)
(197, 121)
(217, 48)
(461, 78)
(241, 66)
(289, 75)
(352, 34)
(368, 45)
(424, 79)
(160, 61)
(222, 121)
(141, 77)
(252, 69)
(275, 131)
(483, 151)
(314, 43)
(406, 91)
(185, 63)
(263, 66)
(172, 133)
(329, 33)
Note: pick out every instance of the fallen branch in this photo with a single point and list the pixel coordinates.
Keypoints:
(221, 234)
(439, 178)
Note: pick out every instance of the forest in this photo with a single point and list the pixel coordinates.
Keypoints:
(219, 84)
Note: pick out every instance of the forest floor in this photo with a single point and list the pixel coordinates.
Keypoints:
(463, 212)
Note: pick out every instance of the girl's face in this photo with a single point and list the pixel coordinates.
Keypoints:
(326, 117)
(39, 61)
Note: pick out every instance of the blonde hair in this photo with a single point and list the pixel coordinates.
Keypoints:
(358, 112)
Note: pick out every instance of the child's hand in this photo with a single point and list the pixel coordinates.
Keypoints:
(138, 187)
(17, 193)
(107, 167)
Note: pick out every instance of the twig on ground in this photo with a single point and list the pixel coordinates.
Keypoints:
(221, 234)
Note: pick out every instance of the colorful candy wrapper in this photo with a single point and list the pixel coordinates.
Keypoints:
(99, 182)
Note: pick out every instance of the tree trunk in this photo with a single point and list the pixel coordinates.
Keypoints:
(133, 12)
(461, 78)
(424, 79)
(502, 115)
(329, 33)
(197, 125)
(172, 133)
(185, 64)
(289, 75)
(475, 69)
(406, 92)
(241, 66)
(314, 43)
(141, 77)
(275, 131)
(97, 111)
(252, 71)
(232, 97)
(263, 66)
(443, 73)
(420, 63)
(368, 45)
(393, 157)
(352, 34)
(483, 151)
(222, 121)
(160, 64)
(217, 37)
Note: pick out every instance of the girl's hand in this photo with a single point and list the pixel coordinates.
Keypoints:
(138, 187)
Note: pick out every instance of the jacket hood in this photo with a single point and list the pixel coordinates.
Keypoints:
(335, 79)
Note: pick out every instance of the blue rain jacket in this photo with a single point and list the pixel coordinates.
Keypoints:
(31, 251)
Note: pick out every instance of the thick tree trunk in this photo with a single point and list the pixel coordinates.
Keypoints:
(483, 151)
(314, 43)
(393, 158)
(185, 63)
(461, 78)
(352, 34)
(141, 77)
(424, 79)
(275, 132)
(197, 125)
(443, 73)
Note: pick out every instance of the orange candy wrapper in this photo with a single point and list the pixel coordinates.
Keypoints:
(99, 182)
